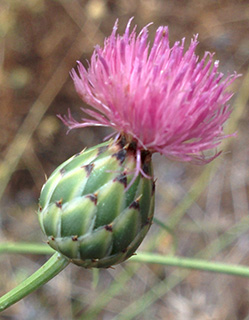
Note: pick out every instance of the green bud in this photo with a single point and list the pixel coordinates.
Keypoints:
(86, 210)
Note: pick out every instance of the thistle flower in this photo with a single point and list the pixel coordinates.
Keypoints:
(166, 100)
(97, 207)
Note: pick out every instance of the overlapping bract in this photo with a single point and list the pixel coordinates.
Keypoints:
(166, 99)
(86, 210)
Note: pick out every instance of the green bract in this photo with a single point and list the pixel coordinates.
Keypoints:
(88, 213)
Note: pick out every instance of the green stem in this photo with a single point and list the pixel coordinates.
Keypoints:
(49, 270)
(142, 257)
(25, 248)
(192, 263)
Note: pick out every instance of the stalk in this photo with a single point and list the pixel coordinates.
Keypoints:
(46, 272)
(141, 257)
(192, 263)
(25, 248)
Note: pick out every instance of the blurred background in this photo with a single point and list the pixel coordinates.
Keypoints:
(204, 208)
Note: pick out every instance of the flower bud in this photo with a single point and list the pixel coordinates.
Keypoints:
(86, 210)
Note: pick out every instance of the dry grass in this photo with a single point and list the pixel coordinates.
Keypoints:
(40, 42)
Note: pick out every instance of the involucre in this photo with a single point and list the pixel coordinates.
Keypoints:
(86, 210)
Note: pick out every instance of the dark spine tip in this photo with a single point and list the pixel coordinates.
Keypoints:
(88, 168)
(62, 171)
(146, 159)
(122, 178)
(120, 155)
(93, 197)
(58, 203)
(75, 238)
(135, 205)
(40, 208)
(153, 187)
(148, 221)
(145, 169)
(132, 146)
(122, 141)
(108, 227)
(125, 141)
(52, 238)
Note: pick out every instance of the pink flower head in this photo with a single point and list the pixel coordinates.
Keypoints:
(166, 99)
